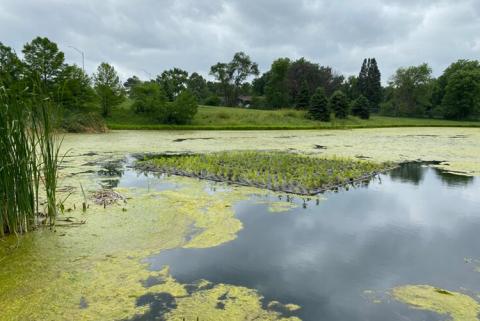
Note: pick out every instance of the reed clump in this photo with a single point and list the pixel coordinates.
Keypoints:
(29, 160)
(277, 171)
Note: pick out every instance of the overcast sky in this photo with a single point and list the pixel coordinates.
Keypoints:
(149, 36)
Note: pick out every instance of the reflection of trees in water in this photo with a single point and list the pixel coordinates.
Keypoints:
(112, 171)
(452, 179)
(409, 172)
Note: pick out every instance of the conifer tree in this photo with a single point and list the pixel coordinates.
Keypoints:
(319, 109)
(361, 107)
(369, 83)
(339, 104)
(303, 99)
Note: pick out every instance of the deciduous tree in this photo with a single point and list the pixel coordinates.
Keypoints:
(108, 88)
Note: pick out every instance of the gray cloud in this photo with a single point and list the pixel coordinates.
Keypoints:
(194, 34)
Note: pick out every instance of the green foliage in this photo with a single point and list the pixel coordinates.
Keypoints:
(277, 171)
(182, 110)
(314, 75)
(462, 94)
(73, 89)
(232, 75)
(455, 92)
(339, 104)
(259, 84)
(303, 98)
(29, 158)
(148, 97)
(197, 85)
(361, 107)
(11, 68)
(259, 102)
(351, 88)
(276, 90)
(319, 107)
(369, 83)
(43, 60)
(173, 82)
(411, 91)
(131, 81)
(108, 88)
(213, 100)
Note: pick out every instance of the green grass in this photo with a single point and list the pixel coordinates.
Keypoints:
(278, 171)
(225, 118)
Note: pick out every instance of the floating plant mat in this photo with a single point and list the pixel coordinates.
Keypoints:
(277, 171)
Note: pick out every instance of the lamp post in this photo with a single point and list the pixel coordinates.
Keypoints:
(83, 56)
(147, 73)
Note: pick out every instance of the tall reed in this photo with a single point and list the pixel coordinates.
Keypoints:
(29, 158)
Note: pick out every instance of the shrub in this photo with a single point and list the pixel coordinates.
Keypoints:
(339, 104)
(213, 100)
(148, 97)
(361, 107)
(319, 108)
(182, 110)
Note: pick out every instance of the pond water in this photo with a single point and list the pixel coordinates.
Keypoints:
(337, 257)
(342, 256)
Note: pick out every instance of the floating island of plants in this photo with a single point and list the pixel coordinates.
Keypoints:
(276, 171)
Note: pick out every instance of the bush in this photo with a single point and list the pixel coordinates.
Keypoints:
(213, 100)
(259, 102)
(83, 123)
(149, 98)
(182, 110)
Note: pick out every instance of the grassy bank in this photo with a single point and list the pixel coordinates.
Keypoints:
(277, 171)
(227, 118)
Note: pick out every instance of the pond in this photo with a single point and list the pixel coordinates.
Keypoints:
(335, 259)
(402, 247)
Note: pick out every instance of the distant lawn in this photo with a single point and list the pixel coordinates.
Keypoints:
(224, 118)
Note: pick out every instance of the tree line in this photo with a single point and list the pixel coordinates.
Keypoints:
(173, 96)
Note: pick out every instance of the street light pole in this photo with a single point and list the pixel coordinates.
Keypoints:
(146, 72)
(83, 56)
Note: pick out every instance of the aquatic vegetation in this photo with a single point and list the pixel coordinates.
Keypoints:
(276, 171)
(459, 306)
(456, 148)
(29, 158)
(78, 274)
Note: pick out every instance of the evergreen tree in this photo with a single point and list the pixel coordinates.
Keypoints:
(369, 83)
(319, 109)
(303, 99)
(361, 107)
(363, 78)
(375, 85)
(339, 104)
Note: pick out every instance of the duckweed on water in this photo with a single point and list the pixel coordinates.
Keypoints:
(276, 171)
(79, 273)
(458, 306)
(457, 148)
